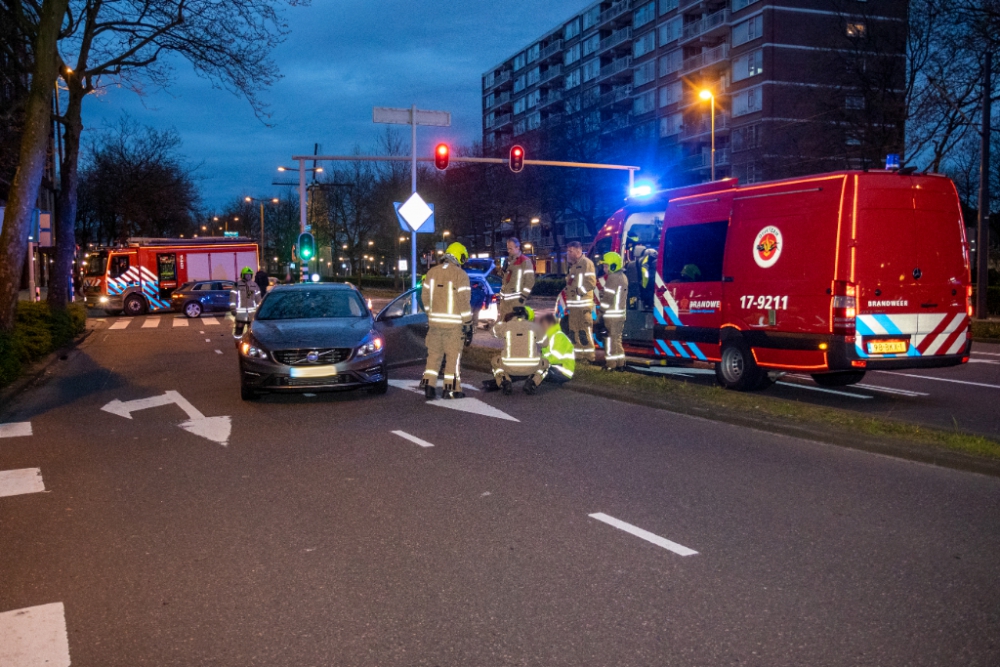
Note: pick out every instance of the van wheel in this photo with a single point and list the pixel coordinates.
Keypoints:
(737, 369)
(135, 305)
(839, 379)
(192, 309)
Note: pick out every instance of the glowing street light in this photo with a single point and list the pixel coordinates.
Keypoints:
(708, 96)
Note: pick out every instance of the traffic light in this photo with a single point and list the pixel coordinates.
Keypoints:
(441, 155)
(307, 246)
(516, 159)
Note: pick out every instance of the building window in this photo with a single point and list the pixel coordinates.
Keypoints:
(644, 73)
(591, 69)
(591, 17)
(643, 45)
(750, 172)
(672, 93)
(489, 100)
(591, 44)
(519, 61)
(854, 102)
(667, 6)
(747, 101)
(671, 30)
(856, 29)
(519, 105)
(519, 127)
(488, 80)
(591, 96)
(572, 104)
(745, 138)
(490, 119)
(519, 84)
(572, 29)
(748, 30)
(534, 98)
(742, 4)
(748, 65)
(671, 125)
(573, 79)
(534, 74)
(534, 121)
(571, 55)
(534, 52)
(644, 103)
(644, 14)
(671, 62)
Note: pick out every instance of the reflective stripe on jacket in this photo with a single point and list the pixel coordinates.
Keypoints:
(557, 348)
(244, 299)
(613, 295)
(447, 296)
(518, 279)
(521, 339)
(581, 284)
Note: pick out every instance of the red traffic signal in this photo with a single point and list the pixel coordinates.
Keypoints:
(516, 159)
(441, 155)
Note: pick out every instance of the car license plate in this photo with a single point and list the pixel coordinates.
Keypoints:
(888, 346)
(313, 371)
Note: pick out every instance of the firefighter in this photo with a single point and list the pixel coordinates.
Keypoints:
(557, 349)
(647, 271)
(446, 295)
(520, 357)
(632, 275)
(613, 297)
(243, 301)
(581, 279)
(518, 280)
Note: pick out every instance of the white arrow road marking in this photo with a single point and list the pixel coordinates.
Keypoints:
(34, 636)
(216, 429)
(412, 438)
(470, 405)
(678, 549)
(15, 430)
(19, 482)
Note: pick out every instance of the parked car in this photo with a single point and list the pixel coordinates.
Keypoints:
(481, 289)
(479, 266)
(195, 298)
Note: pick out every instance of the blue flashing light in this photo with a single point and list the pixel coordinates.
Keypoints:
(642, 190)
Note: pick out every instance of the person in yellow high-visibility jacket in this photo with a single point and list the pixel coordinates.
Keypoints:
(558, 350)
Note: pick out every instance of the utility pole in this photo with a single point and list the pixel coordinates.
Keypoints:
(983, 233)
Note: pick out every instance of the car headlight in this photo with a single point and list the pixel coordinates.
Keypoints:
(103, 299)
(251, 348)
(370, 345)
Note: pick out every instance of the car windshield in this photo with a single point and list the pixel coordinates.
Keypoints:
(304, 304)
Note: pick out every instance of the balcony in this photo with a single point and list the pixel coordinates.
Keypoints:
(550, 73)
(616, 95)
(616, 68)
(501, 99)
(615, 39)
(500, 121)
(553, 97)
(553, 49)
(704, 160)
(552, 120)
(617, 122)
(705, 59)
(616, 11)
(705, 25)
(500, 79)
(702, 128)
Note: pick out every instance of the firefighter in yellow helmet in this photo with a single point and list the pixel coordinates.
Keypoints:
(243, 301)
(581, 279)
(520, 357)
(446, 296)
(613, 299)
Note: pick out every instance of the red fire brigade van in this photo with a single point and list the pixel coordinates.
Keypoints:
(831, 275)
(140, 276)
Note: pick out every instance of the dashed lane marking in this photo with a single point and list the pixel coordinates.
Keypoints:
(120, 324)
(822, 389)
(986, 354)
(218, 351)
(412, 438)
(929, 377)
(19, 482)
(663, 542)
(208, 340)
(15, 430)
(892, 390)
(34, 636)
(180, 322)
(984, 361)
(151, 323)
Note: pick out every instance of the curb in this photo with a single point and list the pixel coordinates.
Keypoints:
(39, 368)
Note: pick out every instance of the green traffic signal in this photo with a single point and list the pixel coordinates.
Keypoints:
(307, 246)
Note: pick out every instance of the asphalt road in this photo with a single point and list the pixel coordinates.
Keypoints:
(327, 532)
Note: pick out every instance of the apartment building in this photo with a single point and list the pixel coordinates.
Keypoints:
(800, 86)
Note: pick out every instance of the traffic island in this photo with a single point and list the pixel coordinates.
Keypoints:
(881, 435)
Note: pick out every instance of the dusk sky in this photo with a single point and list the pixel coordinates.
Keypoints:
(342, 58)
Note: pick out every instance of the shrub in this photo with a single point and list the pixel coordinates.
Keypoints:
(37, 332)
(548, 287)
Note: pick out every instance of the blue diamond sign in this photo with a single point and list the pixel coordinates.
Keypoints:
(415, 215)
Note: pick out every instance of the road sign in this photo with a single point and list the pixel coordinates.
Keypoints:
(414, 212)
(392, 116)
(231, 235)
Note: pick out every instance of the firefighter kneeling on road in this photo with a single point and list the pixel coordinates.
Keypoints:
(243, 301)
(520, 357)
(613, 298)
(446, 296)
(557, 349)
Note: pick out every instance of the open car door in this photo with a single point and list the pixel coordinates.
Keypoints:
(404, 329)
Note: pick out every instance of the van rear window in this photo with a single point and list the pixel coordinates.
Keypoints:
(693, 253)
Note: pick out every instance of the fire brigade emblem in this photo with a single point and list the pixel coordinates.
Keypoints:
(767, 247)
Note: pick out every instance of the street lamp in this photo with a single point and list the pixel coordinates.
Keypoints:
(318, 170)
(535, 221)
(707, 95)
(273, 200)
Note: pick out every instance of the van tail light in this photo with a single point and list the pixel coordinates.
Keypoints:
(968, 300)
(845, 307)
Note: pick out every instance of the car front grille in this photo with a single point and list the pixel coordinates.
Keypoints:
(331, 381)
(301, 357)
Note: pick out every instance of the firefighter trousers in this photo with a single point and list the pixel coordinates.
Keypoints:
(444, 343)
(614, 353)
(503, 372)
(581, 332)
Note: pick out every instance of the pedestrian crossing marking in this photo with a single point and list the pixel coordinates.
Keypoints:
(151, 323)
(15, 430)
(210, 321)
(154, 322)
(34, 636)
(180, 322)
(19, 482)
(120, 324)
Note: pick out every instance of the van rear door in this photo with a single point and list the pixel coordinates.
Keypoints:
(911, 267)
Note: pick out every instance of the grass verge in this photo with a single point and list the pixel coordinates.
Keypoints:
(986, 330)
(37, 332)
(758, 410)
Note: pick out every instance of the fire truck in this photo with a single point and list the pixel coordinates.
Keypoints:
(139, 277)
(832, 275)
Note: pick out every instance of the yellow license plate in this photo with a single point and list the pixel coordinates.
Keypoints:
(888, 346)
(313, 371)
